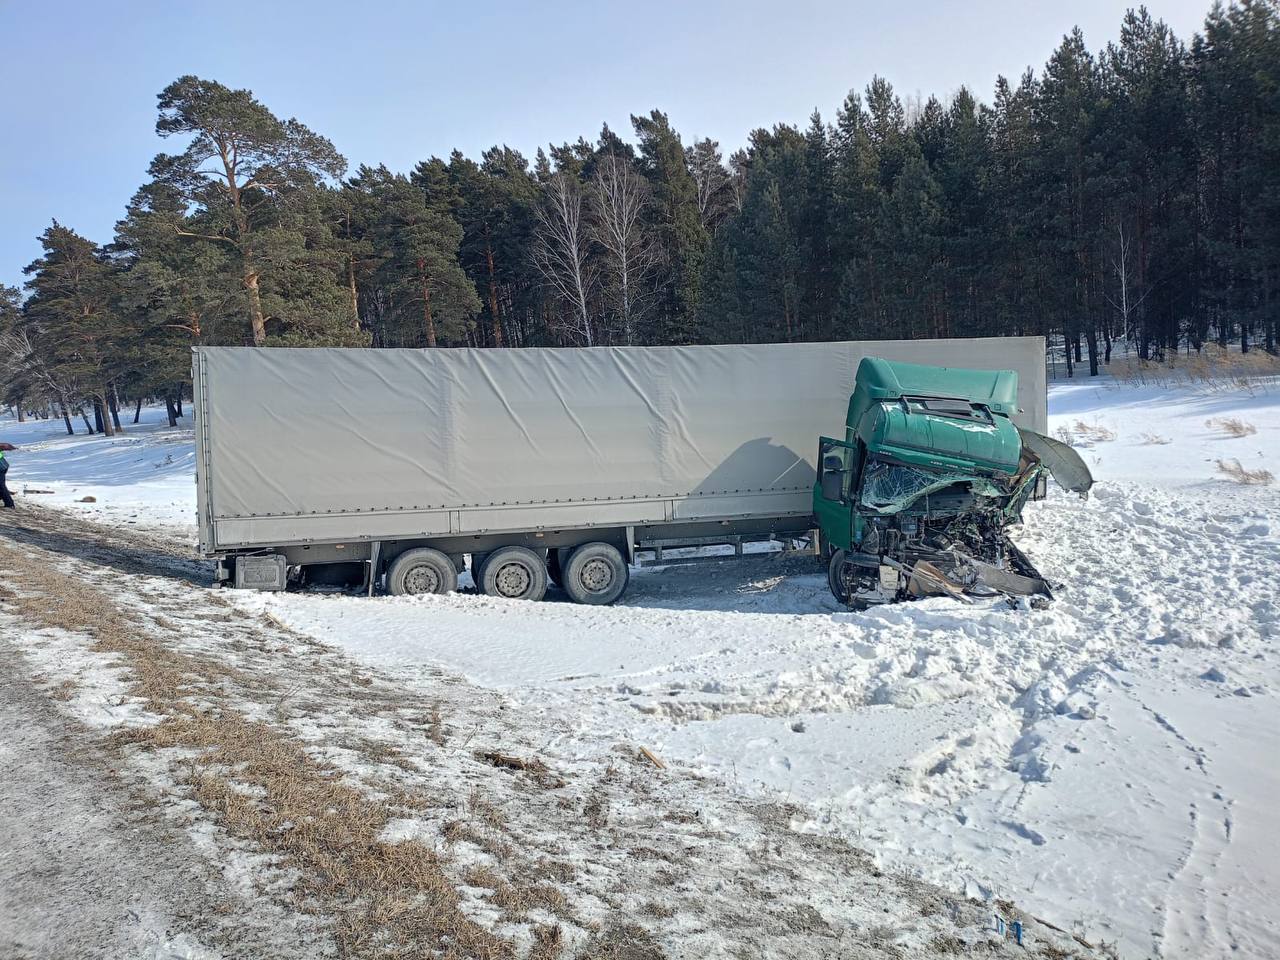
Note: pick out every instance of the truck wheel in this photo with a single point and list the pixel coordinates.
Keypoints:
(596, 573)
(421, 571)
(516, 573)
(834, 580)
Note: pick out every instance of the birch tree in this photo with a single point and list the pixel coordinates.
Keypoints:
(619, 199)
(715, 190)
(561, 251)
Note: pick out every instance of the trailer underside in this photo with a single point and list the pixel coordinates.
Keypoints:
(372, 564)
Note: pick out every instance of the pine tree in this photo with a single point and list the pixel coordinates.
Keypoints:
(1149, 157)
(1066, 114)
(71, 319)
(175, 292)
(494, 205)
(430, 299)
(681, 235)
(253, 180)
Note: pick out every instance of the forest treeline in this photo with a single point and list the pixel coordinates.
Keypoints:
(1127, 198)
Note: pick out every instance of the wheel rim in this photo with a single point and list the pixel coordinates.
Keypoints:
(422, 579)
(513, 580)
(596, 575)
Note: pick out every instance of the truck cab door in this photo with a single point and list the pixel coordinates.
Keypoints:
(838, 464)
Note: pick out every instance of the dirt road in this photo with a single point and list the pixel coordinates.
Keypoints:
(180, 778)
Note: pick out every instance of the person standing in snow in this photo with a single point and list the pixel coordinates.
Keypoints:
(5, 496)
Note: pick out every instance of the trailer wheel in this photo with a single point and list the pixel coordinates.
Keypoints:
(421, 571)
(835, 580)
(596, 573)
(516, 573)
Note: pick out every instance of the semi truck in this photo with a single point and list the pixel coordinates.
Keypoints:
(917, 497)
(403, 468)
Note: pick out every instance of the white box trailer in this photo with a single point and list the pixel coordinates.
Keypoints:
(368, 458)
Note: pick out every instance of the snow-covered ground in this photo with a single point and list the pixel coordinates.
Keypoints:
(144, 476)
(1108, 763)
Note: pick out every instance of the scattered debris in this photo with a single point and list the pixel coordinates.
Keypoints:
(510, 762)
(538, 771)
(275, 621)
(87, 500)
(653, 758)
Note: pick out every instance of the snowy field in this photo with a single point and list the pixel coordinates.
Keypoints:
(1108, 763)
(144, 476)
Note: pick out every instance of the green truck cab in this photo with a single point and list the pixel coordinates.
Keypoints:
(917, 498)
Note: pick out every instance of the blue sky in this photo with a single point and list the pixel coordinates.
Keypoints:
(397, 82)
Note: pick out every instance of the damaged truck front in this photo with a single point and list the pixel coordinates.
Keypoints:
(917, 499)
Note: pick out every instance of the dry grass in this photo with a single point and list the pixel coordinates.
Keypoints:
(387, 899)
(1212, 366)
(463, 831)
(661, 910)
(435, 726)
(1154, 440)
(625, 942)
(1094, 432)
(1241, 474)
(518, 899)
(476, 876)
(548, 942)
(484, 811)
(1082, 434)
(1231, 426)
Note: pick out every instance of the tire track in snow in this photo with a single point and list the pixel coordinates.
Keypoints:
(1194, 919)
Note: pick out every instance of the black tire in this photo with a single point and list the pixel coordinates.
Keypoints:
(596, 573)
(834, 580)
(516, 573)
(421, 571)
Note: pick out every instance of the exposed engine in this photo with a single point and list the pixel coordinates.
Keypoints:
(953, 542)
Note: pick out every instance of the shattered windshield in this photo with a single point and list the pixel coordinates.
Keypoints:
(891, 487)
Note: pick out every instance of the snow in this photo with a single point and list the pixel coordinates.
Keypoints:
(93, 687)
(144, 476)
(1108, 763)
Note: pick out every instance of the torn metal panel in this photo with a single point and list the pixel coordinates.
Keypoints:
(1064, 464)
